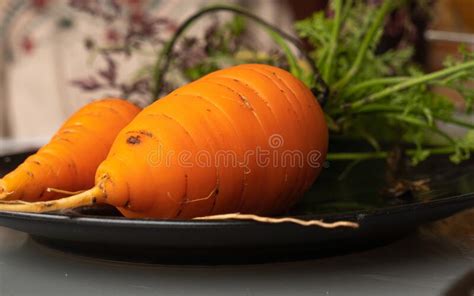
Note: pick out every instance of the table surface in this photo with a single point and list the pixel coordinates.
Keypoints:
(419, 264)
(438, 259)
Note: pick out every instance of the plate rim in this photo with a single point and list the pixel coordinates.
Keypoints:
(358, 216)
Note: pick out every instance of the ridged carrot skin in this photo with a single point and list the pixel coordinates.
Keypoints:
(236, 109)
(69, 161)
(241, 110)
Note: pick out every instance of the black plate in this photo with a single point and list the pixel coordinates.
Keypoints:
(356, 197)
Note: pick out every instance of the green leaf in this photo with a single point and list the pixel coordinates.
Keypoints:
(295, 68)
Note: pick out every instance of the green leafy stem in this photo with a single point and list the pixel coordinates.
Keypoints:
(407, 83)
(385, 154)
(387, 6)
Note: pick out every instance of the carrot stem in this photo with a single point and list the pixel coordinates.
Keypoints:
(334, 156)
(410, 83)
(369, 37)
(85, 198)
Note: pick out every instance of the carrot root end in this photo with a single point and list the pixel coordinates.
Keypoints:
(271, 220)
(85, 198)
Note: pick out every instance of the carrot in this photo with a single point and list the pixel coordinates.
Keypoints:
(168, 162)
(70, 159)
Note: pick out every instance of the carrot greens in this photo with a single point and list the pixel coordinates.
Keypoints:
(383, 96)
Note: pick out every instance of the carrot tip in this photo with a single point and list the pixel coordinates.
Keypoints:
(271, 220)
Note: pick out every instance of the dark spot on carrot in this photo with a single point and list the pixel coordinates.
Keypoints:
(214, 201)
(185, 196)
(94, 200)
(246, 102)
(30, 174)
(64, 139)
(217, 191)
(146, 133)
(48, 204)
(133, 140)
(36, 162)
(128, 204)
(208, 110)
(142, 132)
(128, 191)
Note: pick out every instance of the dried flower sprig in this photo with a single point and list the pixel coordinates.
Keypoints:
(141, 29)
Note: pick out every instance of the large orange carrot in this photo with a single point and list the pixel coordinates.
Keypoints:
(249, 139)
(70, 159)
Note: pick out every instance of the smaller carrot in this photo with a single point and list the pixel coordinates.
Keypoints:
(69, 161)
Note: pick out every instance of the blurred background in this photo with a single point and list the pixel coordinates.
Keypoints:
(56, 55)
